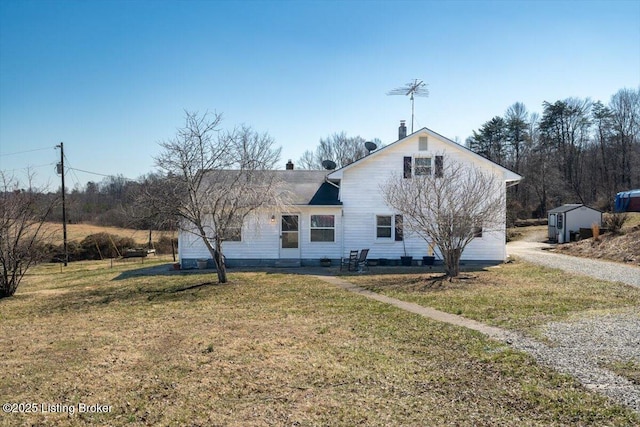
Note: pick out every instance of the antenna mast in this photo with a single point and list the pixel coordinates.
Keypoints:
(415, 88)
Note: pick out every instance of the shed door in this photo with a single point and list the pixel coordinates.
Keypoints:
(290, 236)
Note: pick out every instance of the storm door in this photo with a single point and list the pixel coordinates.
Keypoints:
(290, 236)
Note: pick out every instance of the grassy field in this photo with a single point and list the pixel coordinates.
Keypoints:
(78, 232)
(264, 349)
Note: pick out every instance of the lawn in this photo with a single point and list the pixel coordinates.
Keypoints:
(264, 349)
(518, 295)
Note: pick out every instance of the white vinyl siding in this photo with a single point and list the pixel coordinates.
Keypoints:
(363, 202)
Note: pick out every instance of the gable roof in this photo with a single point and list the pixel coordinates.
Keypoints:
(569, 207)
(510, 175)
(300, 187)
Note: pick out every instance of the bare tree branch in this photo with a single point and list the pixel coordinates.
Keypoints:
(449, 208)
(23, 214)
(214, 180)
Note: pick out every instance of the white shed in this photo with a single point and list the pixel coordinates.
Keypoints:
(568, 219)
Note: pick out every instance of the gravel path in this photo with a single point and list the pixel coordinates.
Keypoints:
(535, 252)
(579, 348)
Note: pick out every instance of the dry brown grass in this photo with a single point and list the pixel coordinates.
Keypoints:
(622, 248)
(264, 349)
(78, 232)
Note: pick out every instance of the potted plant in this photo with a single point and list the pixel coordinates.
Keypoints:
(430, 258)
(325, 262)
(405, 260)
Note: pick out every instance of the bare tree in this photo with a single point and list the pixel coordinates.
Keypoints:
(339, 148)
(449, 207)
(215, 179)
(23, 213)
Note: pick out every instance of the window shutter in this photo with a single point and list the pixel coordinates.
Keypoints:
(439, 166)
(399, 229)
(407, 167)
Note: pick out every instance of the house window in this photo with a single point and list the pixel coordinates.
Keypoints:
(477, 231)
(323, 228)
(423, 166)
(423, 143)
(389, 227)
(233, 232)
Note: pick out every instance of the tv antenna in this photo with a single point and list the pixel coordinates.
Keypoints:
(415, 88)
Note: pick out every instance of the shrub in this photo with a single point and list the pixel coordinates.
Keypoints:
(614, 222)
(163, 246)
(105, 245)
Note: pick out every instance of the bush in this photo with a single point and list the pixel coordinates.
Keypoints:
(163, 246)
(105, 245)
(614, 222)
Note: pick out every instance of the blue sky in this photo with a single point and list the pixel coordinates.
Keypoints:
(111, 79)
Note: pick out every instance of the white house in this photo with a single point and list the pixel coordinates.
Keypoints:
(336, 211)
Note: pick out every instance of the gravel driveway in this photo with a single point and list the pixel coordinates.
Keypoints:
(582, 347)
(537, 253)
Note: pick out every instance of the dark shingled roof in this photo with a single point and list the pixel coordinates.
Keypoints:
(303, 187)
(309, 187)
(327, 194)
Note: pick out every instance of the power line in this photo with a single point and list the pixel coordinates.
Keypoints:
(92, 173)
(26, 151)
(28, 168)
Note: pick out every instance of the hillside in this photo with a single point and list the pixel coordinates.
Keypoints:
(622, 248)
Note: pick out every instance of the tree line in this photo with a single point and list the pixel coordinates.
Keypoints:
(576, 151)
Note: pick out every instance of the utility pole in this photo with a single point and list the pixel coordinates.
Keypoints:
(64, 207)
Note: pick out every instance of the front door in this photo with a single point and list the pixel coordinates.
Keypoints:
(290, 236)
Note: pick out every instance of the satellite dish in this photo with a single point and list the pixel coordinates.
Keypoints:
(329, 164)
(370, 146)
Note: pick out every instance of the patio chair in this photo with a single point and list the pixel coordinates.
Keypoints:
(362, 260)
(351, 262)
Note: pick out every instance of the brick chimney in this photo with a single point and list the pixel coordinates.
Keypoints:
(289, 165)
(402, 130)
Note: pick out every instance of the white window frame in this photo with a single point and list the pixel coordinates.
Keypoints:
(311, 228)
(422, 170)
(393, 226)
(239, 235)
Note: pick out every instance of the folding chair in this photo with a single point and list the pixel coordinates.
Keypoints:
(351, 262)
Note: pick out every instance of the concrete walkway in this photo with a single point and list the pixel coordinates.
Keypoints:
(441, 316)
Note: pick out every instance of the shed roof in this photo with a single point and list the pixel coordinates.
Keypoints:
(569, 207)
